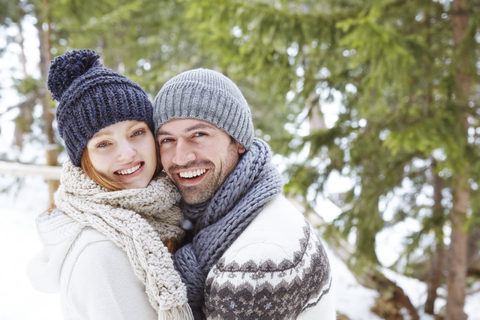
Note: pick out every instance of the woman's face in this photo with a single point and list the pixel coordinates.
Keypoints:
(124, 152)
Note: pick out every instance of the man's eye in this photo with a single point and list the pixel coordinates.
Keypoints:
(199, 134)
(166, 140)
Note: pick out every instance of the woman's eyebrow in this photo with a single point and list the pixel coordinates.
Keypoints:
(109, 132)
(101, 134)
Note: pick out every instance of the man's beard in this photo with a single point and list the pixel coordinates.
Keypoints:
(213, 180)
(202, 191)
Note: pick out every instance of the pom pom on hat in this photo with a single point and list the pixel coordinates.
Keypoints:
(92, 97)
(68, 67)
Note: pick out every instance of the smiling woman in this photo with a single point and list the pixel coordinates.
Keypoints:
(107, 157)
(109, 239)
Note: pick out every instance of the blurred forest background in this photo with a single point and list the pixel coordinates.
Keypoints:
(405, 75)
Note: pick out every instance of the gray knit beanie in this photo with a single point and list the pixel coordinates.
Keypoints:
(205, 95)
(92, 97)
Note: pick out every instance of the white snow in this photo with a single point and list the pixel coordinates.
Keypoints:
(351, 299)
(472, 306)
(19, 243)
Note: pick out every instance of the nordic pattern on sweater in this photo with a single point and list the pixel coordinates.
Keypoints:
(268, 274)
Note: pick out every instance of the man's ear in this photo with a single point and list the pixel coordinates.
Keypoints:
(241, 149)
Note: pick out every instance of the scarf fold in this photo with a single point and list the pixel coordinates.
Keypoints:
(219, 221)
(136, 220)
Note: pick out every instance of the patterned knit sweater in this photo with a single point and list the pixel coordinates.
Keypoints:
(276, 267)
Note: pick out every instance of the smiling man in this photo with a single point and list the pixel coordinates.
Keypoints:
(197, 173)
(253, 255)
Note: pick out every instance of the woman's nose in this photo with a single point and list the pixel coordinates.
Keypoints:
(127, 152)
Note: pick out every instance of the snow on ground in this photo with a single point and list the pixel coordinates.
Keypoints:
(472, 306)
(416, 290)
(351, 299)
(18, 244)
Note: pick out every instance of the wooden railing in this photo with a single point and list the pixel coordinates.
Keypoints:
(21, 170)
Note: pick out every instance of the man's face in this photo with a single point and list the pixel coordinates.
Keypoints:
(197, 156)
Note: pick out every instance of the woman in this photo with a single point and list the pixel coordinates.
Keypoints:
(105, 242)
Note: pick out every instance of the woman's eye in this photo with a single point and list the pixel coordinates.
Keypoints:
(138, 132)
(102, 145)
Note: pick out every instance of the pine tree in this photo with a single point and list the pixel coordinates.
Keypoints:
(398, 66)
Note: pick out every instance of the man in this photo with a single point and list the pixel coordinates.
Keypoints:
(253, 255)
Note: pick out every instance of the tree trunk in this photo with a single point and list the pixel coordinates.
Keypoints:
(315, 118)
(21, 40)
(25, 113)
(473, 252)
(51, 150)
(457, 261)
(434, 278)
(392, 300)
(436, 264)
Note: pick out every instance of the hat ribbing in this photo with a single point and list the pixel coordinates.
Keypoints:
(92, 97)
(205, 95)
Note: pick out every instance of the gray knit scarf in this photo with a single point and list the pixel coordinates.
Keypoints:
(219, 221)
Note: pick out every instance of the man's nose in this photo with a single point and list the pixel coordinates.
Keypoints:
(127, 152)
(183, 153)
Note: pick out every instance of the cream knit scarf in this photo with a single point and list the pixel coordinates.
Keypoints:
(136, 220)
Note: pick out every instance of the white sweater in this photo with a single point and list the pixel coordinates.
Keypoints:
(277, 266)
(85, 267)
(93, 275)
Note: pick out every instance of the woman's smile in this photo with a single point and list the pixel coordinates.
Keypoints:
(125, 172)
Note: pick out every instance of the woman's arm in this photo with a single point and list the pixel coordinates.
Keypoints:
(102, 285)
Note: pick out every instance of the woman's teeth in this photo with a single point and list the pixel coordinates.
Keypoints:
(130, 171)
(192, 174)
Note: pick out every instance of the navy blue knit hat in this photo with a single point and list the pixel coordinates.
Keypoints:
(92, 97)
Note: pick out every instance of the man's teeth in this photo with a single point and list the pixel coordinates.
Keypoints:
(192, 174)
(131, 170)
